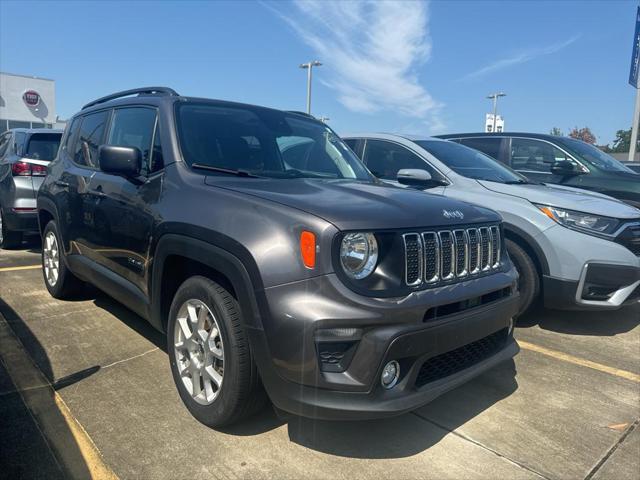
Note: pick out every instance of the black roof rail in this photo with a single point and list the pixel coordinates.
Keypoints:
(302, 113)
(134, 91)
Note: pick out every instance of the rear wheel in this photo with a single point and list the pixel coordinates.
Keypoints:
(59, 280)
(8, 238)
(529, 280)
(210, 357)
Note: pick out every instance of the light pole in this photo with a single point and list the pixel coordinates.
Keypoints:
(494, 97)
(309, 66)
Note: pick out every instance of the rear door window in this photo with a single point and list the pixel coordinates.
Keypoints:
(488, 146)
(89, 138)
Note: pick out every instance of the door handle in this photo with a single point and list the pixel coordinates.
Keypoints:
(62, 184)
(98, 192)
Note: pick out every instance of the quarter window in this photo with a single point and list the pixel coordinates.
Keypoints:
(90, 138)
(384, 159)
(133, 127)
(534, 155)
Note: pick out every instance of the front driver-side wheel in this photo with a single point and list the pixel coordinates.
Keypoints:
(529, 280)
(210, 357)
(58, 279)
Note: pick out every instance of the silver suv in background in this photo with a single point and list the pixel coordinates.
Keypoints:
(576, 249)
(24, 156)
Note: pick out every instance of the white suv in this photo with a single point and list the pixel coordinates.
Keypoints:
(576, 249)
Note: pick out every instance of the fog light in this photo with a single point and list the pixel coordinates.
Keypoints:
(390, 374)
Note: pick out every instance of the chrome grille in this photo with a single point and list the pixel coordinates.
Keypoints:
(445, 255)
(431, 257)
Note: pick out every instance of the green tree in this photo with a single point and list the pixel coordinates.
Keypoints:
(622, 143)
(556, 131)
(583, 134)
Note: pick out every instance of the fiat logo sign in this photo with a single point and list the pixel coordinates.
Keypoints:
(31, 98)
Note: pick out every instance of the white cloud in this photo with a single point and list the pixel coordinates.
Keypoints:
(521, 57)
(371, 51)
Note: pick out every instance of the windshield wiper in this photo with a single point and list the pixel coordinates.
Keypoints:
(239, 173)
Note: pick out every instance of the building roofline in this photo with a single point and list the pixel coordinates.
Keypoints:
(33, 77)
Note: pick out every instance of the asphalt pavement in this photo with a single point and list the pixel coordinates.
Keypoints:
(86, 391)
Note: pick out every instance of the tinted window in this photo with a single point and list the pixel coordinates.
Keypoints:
(133, 127)
(534, 155)
(263, 142)
(89, 138)
(352, 142)
(470, 163)
(384, 159)
(490, 146)
(595, 156)
(43, 146)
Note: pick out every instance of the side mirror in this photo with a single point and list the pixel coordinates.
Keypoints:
(565, 168)
(414, 177)
(126, 161)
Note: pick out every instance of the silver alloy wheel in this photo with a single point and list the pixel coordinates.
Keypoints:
(51, 259)
(199, 351)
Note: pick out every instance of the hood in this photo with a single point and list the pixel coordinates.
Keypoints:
(354, 205)
(567, 198)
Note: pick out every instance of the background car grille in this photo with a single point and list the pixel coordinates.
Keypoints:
(449, 255)
(630, 238)
(455, 361)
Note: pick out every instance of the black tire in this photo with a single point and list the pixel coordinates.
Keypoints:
(67, 285)
(529, 281)
(241, 393)
(9, 238)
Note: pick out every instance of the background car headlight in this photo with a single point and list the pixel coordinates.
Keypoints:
(359, 254)
(580, 220)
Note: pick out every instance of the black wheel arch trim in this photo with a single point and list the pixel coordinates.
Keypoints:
(531, 243)
(234, 263)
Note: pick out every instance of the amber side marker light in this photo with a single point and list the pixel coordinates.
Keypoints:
(548, 213)
(308, 248)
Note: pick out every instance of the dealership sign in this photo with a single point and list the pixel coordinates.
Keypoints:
(31, 98)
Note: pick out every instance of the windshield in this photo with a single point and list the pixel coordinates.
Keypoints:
(595, 156)
(43, 146)
(470, 163)
(263, 142)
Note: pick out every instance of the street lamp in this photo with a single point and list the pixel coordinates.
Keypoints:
(309, 66)
(494, 97)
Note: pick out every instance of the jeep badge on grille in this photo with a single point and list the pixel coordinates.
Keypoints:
(452, 214)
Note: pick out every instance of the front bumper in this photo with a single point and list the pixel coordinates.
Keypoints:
(287, 353)
(601, 286)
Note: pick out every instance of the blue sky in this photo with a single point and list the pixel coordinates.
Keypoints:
(388, 66)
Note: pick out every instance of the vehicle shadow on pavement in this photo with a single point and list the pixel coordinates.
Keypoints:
(36, 440)
(410, 433)
(595, 323)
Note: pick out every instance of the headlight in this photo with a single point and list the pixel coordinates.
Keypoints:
(580, 220)
(359, 254)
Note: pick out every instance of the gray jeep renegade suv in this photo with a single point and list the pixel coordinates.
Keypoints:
(272, 258)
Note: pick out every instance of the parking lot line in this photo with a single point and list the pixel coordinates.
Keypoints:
(565, 357)
(15, 269)
(71, 445)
